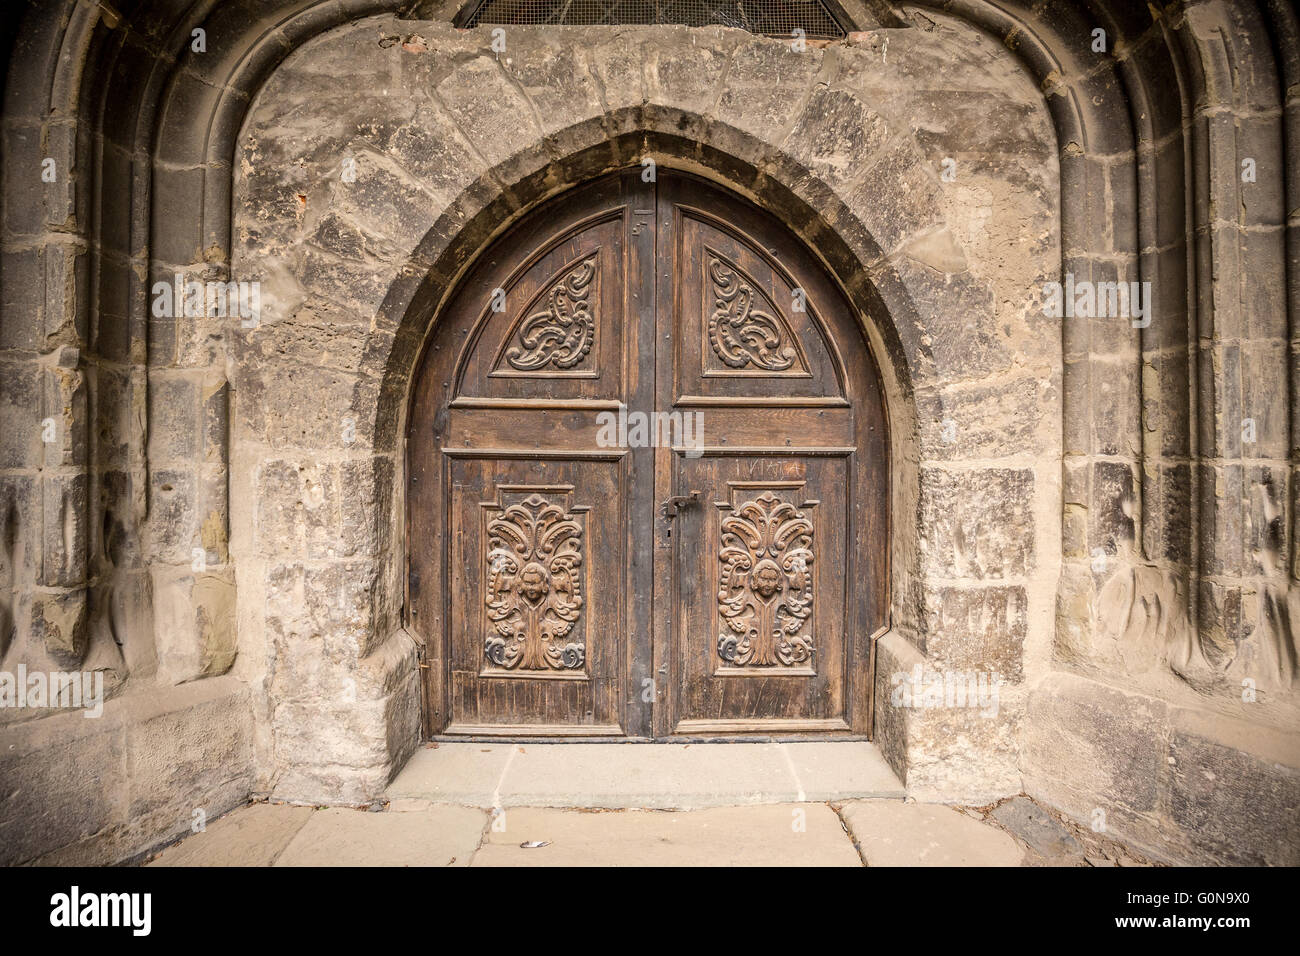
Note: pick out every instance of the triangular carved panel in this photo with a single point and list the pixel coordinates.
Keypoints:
(554, 335)
(748, 334)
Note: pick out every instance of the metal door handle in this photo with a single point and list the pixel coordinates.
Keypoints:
(677, 502)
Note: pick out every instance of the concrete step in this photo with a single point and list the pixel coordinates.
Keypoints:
(644, 776)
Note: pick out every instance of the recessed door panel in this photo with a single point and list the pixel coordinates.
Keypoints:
(758, 568)
(553, 330)
(748, 333)
(537, 610)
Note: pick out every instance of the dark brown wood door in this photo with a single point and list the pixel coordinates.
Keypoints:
(647, 479)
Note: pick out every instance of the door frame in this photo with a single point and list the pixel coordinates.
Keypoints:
(655, 726)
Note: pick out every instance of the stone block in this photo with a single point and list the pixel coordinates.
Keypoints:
(990, 420)
(194, 623)
(616, 58)
(894, 833)
(59, 625)
(174, 514)
(765, 86)
(383, 203)
(783, 834)
(22, 299)
(1113, 407)
(366, 502)
(65, 406)
(897, 195)
(958, 337)
(1165, 409)
(1099, 741)
(442, 836)
(977, 524)
(173, 420)
(684, 67)
(551, 74)
(1264, 406)
(1234, 806)
(194, 758)
(835, 136)
(22, 433)
(980, 628)
(1111, 515)
(248, 836)
(297, 508)
(487, 108)
(1043, 833)
(430, 149)
(56, 792)
(177, 239)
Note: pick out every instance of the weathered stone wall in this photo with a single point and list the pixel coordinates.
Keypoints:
(847, 143)
(210, 515)
(81, 515)
(1173, 716)
(152, 768)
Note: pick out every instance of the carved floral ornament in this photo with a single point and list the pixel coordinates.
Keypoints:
(534, 589)
(765, 589)
(561, 333)
(740, 334)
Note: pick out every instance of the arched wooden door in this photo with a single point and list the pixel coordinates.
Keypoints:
(647, 479)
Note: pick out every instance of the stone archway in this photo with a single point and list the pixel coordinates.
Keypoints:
(355, 270)
(114, 537)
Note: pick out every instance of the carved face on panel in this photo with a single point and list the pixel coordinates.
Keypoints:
(533, 583)
(761, 539)
(534, 588)
(767, 579)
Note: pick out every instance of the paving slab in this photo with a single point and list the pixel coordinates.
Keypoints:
(894, 833)
(836, 770)
(250, 836)
(442, 836)
(644, 776)
(464, 773)
(670, 776)
(768, 835)
(1043, 833)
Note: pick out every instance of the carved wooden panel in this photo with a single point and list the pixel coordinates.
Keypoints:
(534, 581)
(747, 332)
(760, 591)
(557, 330)
(550, 325)
(765, 589)
(761, 332)
(536, 588)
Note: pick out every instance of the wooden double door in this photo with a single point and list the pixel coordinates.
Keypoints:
(647, 479)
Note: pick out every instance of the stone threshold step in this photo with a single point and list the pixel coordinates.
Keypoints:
(644, 776)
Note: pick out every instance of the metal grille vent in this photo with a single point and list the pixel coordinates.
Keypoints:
(767, 17)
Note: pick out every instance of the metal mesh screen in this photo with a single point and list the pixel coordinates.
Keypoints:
(768, 17)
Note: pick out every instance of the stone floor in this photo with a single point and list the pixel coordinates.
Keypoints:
(645, 776)
(822, 804)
